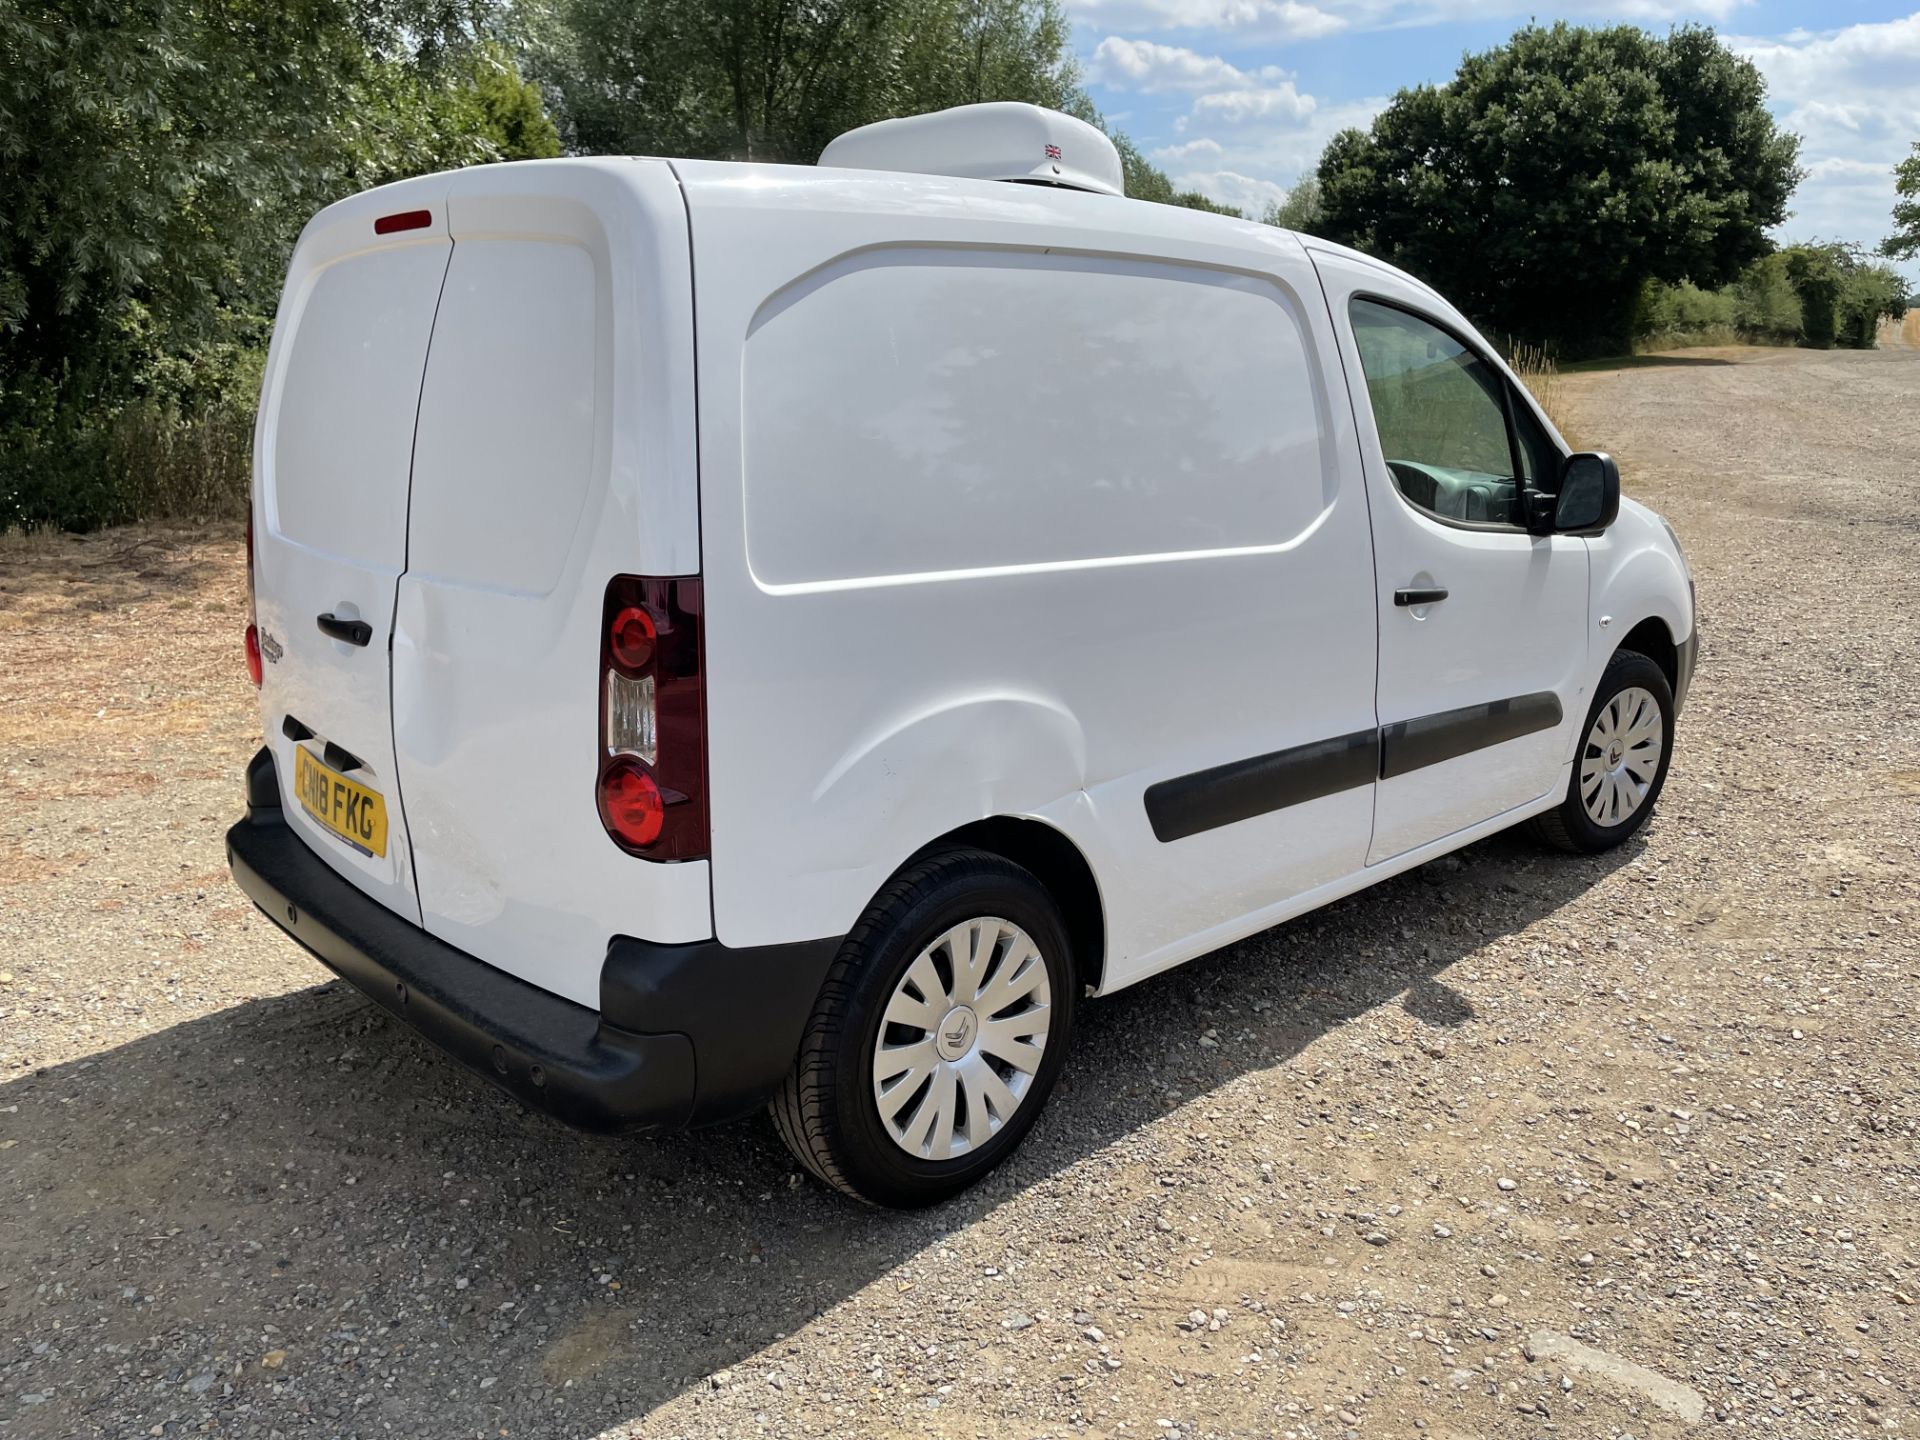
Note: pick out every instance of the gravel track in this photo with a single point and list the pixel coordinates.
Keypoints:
(1651, 1119)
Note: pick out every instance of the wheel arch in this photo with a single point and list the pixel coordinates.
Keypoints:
(1653, 639)
(1650, 635)
(1058, 864)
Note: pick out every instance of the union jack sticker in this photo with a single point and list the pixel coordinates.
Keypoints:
(1053, 152)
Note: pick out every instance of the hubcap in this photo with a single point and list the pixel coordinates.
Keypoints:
(961, 1039)
(1621, 757)
(957, 1033)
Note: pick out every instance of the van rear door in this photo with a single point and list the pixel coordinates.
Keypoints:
(555, 450)
(332, 452)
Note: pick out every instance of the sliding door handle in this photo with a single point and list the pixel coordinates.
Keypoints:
(354, 632)
(1429, 595)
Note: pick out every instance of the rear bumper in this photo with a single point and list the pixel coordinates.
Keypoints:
(686, 1034)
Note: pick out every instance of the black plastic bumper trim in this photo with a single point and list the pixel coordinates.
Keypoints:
(554, 1055)
(744, 1010)
(1686, 657)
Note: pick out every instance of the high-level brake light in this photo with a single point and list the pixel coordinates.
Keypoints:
(405, 220)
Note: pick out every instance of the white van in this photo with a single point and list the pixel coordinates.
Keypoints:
(735, 633)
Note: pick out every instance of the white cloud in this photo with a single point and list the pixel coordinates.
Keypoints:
(1237, 107)
(1174, 154)
(1298, 20)
(1153, 68)
(1852, 92)
(1246, 193)
(1271, 156)
(1853, 95)
(1270, 19)
(1224, 92)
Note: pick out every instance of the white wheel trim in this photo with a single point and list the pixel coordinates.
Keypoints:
(1621, 758)
(961, 1039)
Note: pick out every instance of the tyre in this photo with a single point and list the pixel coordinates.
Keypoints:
(938, 1034)
(1622, 764)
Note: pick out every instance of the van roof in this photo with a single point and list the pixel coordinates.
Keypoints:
(789, 187)
(782, 187)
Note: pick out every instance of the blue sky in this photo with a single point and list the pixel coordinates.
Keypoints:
(1237, 97)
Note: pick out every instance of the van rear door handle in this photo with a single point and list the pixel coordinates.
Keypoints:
(1430, 595)
(354, 632)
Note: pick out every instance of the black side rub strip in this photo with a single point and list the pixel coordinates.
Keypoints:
(1241, 789)
(1410, 745)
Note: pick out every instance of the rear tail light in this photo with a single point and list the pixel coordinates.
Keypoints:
(254, 669)
(631, 804)
(652, 783)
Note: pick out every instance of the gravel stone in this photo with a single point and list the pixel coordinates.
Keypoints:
(215, 1153)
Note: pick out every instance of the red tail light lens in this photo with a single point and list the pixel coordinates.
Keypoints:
(632, 639)
(631, 806)
(652, 784)
(254, 668)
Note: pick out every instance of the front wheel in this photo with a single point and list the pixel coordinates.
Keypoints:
(937, 1036)
(1623, 760)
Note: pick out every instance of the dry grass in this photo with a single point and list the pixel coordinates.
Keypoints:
(1541, 376)
(125, 632)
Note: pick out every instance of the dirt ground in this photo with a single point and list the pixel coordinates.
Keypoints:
(1515, 1145)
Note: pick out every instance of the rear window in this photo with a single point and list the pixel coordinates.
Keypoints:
(914, 411)
(507, 416)
(342, 439)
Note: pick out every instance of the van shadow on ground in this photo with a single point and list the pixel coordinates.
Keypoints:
(300, 1174)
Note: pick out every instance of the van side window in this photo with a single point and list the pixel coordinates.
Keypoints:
(1539, 456)
(1442, 416)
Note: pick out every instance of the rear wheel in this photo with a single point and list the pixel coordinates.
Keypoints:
(937, 1036)
(1622, 764)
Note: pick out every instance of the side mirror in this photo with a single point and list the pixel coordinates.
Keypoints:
(1588, 502)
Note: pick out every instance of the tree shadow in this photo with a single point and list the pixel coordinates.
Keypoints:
(1654, 361)
(110, 571)
(300, 1174)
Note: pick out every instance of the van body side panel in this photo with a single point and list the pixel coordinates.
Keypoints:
(332, 448)
(1016, 503)
(554, 451)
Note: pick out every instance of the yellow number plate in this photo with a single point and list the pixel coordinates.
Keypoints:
(346, 807)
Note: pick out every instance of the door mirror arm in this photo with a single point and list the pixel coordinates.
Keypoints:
(1588, 502)
(1538, 509)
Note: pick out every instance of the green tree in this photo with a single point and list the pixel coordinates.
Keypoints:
(1843, 294)
(1301, 210)
(159, 158)
(1905, 240)
(1555, 175)
(739, 79)
(1765, 304)
(505, 109)
(778, 79)
(975, 50)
